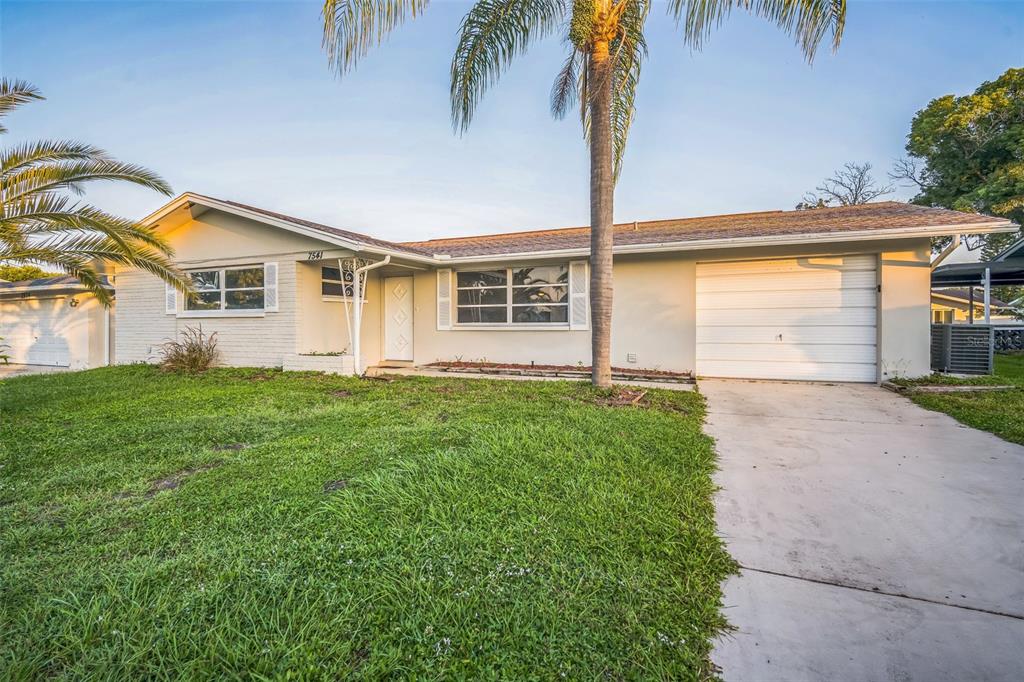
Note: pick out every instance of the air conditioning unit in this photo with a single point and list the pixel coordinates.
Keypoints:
(962, 348)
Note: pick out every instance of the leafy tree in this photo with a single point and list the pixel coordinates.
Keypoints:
(851, 185)
(20, 273)
(41, 223)
(967, 153)
(607, 47)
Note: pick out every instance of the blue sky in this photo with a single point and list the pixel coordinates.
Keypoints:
(235, 100)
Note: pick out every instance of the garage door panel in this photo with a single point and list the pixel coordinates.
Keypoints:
(831, 263)
(42, 331)
(849, 334)
(815, 298)
(799, 318)
(789, 352)
(785, 318)
(789, 281)
(794, 371)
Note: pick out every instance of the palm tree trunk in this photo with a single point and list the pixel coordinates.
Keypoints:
(602, 190)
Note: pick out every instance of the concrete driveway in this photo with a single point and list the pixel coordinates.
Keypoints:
(878, 540)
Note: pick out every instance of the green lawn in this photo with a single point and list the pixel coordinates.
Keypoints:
(1000, 412)
(264, 525)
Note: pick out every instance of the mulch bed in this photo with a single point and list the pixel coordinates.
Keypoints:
(563, 371)
(940, 388)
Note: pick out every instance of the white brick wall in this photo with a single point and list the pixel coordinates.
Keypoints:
(142, 324)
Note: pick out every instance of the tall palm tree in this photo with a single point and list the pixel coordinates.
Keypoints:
(606, 50)
(41, 221)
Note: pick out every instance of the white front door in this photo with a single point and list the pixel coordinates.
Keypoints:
(398, 318)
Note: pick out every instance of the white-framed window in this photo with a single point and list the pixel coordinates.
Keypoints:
(336, 283)
(518, 295)
(942, 316)
(223, 289)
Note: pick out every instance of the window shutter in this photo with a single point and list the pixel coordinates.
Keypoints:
(444, 298)
(579, 302)
(170, 299)
(270, 287)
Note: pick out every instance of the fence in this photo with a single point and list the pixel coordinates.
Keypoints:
(1009, 339)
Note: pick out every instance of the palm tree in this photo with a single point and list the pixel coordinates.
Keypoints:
(41, 223)
(606, 50)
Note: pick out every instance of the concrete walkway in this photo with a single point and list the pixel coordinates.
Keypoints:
(13, 370)
(879, 541)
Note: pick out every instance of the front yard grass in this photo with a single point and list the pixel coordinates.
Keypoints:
(260, 524)
(999, 412)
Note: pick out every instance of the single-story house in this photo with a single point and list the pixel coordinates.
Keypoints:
(55, 322)
(953, 306)
(832, 294)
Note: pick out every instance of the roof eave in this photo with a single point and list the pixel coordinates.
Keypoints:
(772, 240)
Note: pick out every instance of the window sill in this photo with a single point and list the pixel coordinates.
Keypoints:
(339, 299)
(187, 314)
(512, 328)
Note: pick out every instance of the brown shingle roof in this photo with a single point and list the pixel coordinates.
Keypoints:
(965, 296)
(866, 217)
(881, 216)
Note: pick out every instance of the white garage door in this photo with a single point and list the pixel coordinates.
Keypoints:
(799, 318)
(41, 331)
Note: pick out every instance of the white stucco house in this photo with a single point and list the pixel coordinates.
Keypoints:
(837, 294)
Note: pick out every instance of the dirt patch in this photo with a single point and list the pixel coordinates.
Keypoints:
(443, 417)
(51, 514)
(332, 486)
(228, 447)
(176, 479)
(623, 397)
(341, 394)
(359, 657)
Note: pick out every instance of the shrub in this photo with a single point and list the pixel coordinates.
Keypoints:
(20, 273)
(193, 353)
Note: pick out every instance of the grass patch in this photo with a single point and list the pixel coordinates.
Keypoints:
(259, 524)
(999, 412)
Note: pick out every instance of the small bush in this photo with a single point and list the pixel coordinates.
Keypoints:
(195, 352)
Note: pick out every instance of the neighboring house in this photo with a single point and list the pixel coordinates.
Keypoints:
(953, 306)
(837, 294)
(54, 321)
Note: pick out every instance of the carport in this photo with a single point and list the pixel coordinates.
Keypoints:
(1005, 269)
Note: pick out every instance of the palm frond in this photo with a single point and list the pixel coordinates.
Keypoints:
(492, 33)
(76, 254)
(807, 21)
(627, 53)
(14, 93)
(352, 27)
(50, 214)
(31, 154)
(565, 90)
(70, 176)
